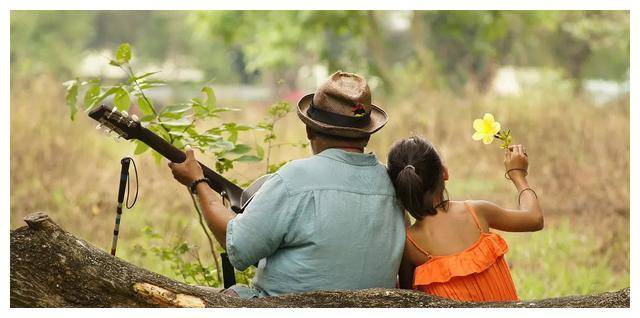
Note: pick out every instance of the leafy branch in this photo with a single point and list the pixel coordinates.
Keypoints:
(176, 123)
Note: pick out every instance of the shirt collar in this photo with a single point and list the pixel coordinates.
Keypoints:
(352, 158)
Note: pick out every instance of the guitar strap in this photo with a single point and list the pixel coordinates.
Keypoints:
(228, 272)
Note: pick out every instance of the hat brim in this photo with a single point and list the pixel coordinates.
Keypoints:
(379, 118)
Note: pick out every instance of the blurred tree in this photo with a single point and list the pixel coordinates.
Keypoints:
(409, 51)
(467, 47)
(591, 43)
(45, 41)
(277, 43)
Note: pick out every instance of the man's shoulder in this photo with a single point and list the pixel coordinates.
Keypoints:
(295, 169)
(317, 172)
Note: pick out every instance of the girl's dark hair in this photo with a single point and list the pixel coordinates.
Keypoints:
(415, 168)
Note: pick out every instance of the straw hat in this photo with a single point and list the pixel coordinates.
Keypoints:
(341, 106)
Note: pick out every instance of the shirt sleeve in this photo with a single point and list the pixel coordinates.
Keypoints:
(260, 229)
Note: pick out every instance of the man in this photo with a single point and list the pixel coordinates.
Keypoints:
(327, 222)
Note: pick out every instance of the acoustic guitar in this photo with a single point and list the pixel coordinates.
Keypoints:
(129, 128)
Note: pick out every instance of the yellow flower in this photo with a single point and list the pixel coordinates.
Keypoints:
(486, 128)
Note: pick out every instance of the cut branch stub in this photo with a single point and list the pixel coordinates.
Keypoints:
(38, 220)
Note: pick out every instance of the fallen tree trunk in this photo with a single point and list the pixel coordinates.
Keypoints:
(52, 268)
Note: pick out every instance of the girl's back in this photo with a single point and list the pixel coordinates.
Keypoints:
(461, 259)
(444, 233)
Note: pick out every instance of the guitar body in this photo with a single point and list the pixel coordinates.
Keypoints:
(130, 129)
(251, 190)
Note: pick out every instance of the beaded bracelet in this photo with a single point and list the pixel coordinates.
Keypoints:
(192, 188)
(506, 174)
(522, 191)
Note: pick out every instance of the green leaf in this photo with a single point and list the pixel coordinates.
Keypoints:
(182, 248)
(68, 83)
(206, 137)
(104, 95)
(121, 99)
(178, 142)
(140, 148)
(223, 164)
(243, 127)
(260, 151)
(151, 84)
(178, 134)
(223, 109)
(248, 158)
(114, 63)
(240, 149)
(177, 108)
(159, 131)
(137, 78)
(123, 54)
(177, 123)
(90, 95)
(71, 97)
(92, 81)
(197, 100)
(157, 156)
(145, 107)
(233, 136)
(211, 97)
(148, 231)
(147, 118)
(170, 116)
(223, 145)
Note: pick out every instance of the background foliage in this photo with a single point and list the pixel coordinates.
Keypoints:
(434, 72)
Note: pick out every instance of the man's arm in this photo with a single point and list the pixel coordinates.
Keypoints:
(252, 235)
(215, 213)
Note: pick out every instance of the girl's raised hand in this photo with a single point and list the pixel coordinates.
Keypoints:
(516, 159)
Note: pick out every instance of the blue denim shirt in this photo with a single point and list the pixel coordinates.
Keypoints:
(327, 222)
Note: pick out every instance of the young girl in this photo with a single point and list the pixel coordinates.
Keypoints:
(450, 251)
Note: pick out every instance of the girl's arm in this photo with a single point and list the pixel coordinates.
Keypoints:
(528, 217)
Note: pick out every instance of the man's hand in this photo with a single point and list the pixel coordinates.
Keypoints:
(187, 171)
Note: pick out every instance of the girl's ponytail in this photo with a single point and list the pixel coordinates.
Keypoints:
(409, 189)
(416, 170)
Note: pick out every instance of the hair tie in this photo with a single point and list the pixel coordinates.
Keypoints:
(410, 167)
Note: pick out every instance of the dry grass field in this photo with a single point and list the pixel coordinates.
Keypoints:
(579, 167)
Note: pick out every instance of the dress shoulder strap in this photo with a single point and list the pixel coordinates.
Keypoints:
(473, 215)
(427, 254)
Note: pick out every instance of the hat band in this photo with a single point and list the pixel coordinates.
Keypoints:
(338, 119)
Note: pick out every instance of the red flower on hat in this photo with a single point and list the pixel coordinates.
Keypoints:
(358, 110)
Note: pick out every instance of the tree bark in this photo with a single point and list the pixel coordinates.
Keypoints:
(52, 268)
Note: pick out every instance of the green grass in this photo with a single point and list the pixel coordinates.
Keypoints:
(564, 259)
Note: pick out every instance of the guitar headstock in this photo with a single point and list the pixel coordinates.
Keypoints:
(125, 126)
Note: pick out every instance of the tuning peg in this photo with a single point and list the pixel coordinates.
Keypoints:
(113, 110)
(135, 118)
(99, 127)
(125, 114)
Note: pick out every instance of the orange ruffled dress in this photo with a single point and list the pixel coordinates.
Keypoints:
(479, 273)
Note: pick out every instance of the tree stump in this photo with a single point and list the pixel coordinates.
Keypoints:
(52, 268)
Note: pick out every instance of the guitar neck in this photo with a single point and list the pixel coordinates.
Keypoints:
(219, 183)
